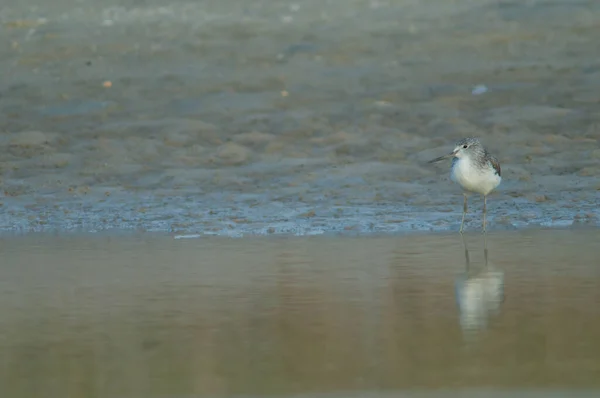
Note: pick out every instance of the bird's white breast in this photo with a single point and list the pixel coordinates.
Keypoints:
(473, 178)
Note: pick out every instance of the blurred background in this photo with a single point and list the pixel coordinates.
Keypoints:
(246, 117)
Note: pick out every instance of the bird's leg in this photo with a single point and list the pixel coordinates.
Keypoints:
(484, 210)
(464, 212)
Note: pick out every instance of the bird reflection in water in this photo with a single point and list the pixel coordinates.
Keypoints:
(479, 293)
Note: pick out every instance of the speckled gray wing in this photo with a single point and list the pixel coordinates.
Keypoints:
(496, 165)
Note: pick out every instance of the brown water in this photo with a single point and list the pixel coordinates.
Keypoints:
(254, 117)
(156, 317)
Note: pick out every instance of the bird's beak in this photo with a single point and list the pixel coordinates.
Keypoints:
(450, 155)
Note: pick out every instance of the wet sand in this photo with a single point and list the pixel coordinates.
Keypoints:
(235, 119)
(150, 316)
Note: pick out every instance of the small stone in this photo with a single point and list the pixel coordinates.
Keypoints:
(232, 154)
(56, 160)
(274, 147)
(479, 89)
(30, 139)
(177, 139)
(308, 214)
(588, 171)
(253, 138)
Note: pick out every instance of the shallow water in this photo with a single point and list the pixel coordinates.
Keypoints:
(331, 316)
(234, 118)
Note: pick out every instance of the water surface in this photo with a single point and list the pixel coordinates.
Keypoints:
(155, 317)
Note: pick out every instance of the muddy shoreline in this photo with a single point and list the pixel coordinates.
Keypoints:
(216, 118)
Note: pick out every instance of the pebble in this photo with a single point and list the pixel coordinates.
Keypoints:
(231, 154)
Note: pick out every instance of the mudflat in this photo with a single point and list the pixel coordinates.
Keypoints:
(288, 117)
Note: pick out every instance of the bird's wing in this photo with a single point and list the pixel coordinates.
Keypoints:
(496, 165)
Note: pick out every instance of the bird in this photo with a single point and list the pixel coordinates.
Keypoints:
(475, 170)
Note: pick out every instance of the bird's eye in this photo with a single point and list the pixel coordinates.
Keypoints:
(465, 146)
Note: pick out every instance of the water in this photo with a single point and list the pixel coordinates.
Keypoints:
(155, 317)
